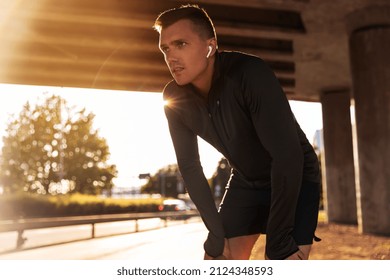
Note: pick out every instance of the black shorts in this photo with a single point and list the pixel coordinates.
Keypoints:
(245, 209)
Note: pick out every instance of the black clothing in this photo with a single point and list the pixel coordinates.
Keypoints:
(244, 210)
(248, 119)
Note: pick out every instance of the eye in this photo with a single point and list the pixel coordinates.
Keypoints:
(181, 45)
(164, 49)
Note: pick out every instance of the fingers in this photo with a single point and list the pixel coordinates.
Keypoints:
(296, 256)
(220, 257)
(301, 255)
(305, 250)
(225, 255)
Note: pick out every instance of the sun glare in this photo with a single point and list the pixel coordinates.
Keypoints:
(133, 123)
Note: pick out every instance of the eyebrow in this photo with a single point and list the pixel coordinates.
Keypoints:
(174, 42)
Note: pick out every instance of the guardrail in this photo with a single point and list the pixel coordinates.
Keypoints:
(21, 225)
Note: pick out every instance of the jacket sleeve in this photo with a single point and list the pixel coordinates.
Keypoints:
(186, 148)
(275, 126)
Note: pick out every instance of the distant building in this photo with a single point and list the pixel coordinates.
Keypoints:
(318, 141)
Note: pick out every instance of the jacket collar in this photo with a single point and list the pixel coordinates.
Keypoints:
(217, 67)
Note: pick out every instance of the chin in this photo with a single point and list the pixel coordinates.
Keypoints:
(181, 82)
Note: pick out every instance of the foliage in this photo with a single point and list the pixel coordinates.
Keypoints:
(167, 182)
(220, 178)
(27, 205)
(54, 149)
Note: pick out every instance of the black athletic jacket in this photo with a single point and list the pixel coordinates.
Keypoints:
(248, 119)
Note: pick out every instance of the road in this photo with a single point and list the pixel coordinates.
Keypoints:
(177, 241)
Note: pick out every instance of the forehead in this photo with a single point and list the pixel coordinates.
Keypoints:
(182, 29)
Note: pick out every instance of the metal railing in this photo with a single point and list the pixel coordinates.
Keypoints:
(21, 225)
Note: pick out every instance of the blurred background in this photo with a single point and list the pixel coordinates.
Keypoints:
(84, 133)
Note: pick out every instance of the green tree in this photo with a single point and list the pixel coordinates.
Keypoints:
(220, 179)
(167, 182)
(53, 148)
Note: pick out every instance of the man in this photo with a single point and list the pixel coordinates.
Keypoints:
(233, 101)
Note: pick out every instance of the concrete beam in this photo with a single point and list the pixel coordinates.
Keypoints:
(340, 193)
(370, 59)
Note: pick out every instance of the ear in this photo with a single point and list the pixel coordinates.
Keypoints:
(212, 42)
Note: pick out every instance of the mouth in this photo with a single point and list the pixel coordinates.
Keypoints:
(177, 70)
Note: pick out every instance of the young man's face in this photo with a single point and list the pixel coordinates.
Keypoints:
(185, 52)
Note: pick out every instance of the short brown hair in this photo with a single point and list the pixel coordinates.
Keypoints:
(198, 16)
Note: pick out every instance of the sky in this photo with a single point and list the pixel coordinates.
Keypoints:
(134, 125)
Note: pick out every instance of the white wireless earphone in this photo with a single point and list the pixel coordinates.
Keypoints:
(210, 50)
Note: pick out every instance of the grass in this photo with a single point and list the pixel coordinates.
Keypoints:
(31, 205)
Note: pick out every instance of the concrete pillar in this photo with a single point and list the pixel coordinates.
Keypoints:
(339, 187)
(370, 65)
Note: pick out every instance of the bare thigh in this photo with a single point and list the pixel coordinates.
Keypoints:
(241, 247)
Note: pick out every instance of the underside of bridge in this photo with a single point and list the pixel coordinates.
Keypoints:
(321, 50)
(110, 44)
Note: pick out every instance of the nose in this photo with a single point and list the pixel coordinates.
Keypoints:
(171, 57)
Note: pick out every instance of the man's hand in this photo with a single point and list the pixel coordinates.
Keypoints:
(225, 255)
(299, 255)
(220, 257)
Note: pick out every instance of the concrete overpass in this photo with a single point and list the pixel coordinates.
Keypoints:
(333, 52)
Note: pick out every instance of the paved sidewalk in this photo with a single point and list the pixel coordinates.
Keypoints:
(178, 242)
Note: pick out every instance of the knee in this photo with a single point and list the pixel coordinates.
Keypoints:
(305, 249)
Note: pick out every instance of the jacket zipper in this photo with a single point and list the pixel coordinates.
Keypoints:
(226, 152)
(222, 120)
